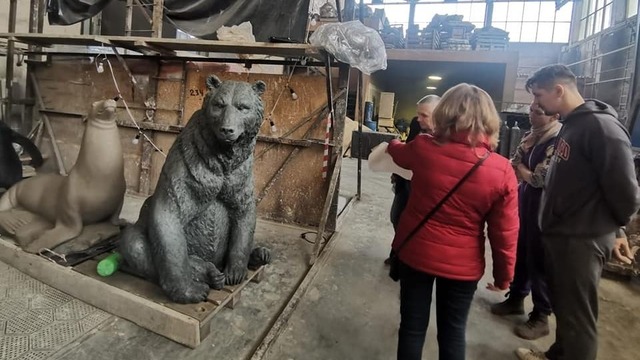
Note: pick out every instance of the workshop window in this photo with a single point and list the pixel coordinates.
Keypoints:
(596, 16)
(632, 8)
(398, 12)
(533, 21)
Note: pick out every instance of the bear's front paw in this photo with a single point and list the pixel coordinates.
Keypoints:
(259, 256)
(215, 279)
(194, 292)
(235, 273)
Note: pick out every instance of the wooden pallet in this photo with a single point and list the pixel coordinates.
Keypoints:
(130, 297)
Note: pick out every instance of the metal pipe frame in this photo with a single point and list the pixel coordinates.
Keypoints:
(11, 51)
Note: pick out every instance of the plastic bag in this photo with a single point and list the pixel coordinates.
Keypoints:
(352, 43)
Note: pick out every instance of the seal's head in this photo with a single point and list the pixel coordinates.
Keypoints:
(104, 110)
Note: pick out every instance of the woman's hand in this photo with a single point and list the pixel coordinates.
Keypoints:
(492, 287)
(621, 250)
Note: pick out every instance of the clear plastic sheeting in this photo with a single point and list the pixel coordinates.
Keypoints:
(352, 43)
(202, 18)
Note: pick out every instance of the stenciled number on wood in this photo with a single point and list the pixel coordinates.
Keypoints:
(196, 92)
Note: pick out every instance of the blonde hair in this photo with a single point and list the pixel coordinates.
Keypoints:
(468, 108)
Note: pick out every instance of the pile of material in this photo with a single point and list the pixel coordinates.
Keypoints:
(392, 37)
(490, 38)
(447, 32)
(423, 39)
(455, 33)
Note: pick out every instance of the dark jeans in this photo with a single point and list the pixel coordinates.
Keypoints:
(530, 275)
(575, 266)
(453, 300)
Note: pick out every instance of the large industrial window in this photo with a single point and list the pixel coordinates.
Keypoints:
(526, 21)
(596, 16)
(632, 7)
(533, 21)
(398, 11)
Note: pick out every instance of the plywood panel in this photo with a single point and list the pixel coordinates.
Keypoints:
(299, 192)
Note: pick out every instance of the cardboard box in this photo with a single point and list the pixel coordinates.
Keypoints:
(385, 122)
(385, 106)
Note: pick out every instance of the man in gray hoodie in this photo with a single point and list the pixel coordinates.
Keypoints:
(590, 192)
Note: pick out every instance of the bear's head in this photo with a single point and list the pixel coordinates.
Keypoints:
(104, 110)
(233, 109)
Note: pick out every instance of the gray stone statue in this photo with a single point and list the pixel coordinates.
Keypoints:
(196, 231)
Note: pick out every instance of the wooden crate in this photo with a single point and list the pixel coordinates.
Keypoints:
(385, 122)
(491, 47)
(129, 297)
(385, 107)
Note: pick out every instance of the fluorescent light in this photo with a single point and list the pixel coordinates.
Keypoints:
(434, 77)
(431, 88)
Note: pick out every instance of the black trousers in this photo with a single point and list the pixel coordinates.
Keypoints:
(453, 300)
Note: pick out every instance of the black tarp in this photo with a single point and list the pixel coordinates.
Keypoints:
(201, 18)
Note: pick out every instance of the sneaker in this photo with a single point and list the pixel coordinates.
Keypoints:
(536, 327)
(528, 354)
(512, 306)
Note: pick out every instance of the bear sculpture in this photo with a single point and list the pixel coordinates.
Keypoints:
(196, 231)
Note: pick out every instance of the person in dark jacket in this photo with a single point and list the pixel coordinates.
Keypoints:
(421, 124)
(448, 251)
(531, 162)
(590, 192)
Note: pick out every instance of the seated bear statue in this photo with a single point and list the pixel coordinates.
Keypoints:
(196, 231)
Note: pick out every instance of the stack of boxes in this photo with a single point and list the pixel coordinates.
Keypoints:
(385, 110)
(490, 38)
(455, 33)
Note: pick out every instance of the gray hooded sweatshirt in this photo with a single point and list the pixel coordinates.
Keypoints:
(591, 188)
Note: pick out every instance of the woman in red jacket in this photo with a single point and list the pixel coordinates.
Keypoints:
(449, 249)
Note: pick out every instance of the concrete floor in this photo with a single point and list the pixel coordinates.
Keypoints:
(351, 309)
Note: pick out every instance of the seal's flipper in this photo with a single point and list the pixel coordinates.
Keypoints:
(12, 221)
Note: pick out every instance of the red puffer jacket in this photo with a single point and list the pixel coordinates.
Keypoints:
(451, 244)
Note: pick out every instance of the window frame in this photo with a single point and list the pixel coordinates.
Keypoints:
(596, 16)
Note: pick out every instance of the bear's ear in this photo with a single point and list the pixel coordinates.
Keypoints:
(213, 82)
(259, 87)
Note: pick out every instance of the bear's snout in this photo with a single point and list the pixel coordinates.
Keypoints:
(227, 131)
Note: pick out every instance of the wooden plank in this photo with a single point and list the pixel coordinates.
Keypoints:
(262, 349)
(198, 45)
(156, 24)
(452, 56)
(146, 290)
(293, 142)
(128, 22)
(47, 125)
(147, 125)
(151, 49)
(333, 184)
(145, 313)
(145, 166)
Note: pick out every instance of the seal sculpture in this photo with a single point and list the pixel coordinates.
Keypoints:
(196, 231)
(10, 164)
(60, 206)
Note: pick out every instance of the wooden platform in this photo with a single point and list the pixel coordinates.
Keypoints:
(129, 297)
(150, 46)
